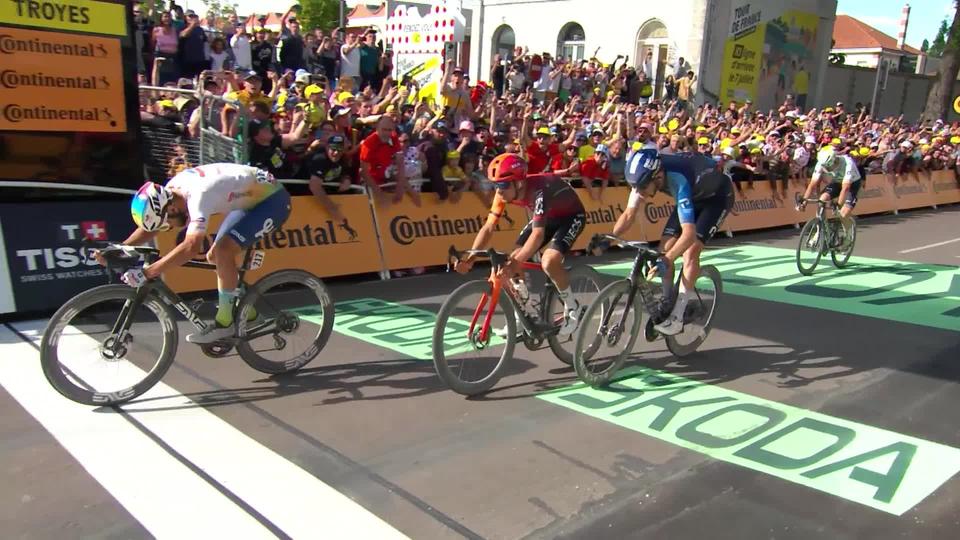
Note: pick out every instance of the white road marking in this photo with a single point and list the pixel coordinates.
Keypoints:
(292, 499)
(928, 246)
(165, 496)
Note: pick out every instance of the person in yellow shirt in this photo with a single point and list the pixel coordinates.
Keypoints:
(314, 110)
(452, 169)
(801, 84)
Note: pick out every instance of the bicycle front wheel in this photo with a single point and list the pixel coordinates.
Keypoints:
(104, 347)
(284, 321)
(842, 256)
(810, 249)
(699, 313)
(585, 286)
(473, 340)
(607, 334)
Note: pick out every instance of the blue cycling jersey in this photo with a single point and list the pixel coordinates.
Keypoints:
(683, 173)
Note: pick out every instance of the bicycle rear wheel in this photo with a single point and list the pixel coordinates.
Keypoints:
(842, 257)
(105, 348)
(467, 361)
(284, 321)
(607, 334)
(585, 286)
(699, 313)
(810, 248)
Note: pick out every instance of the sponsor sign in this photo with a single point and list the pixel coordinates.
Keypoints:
(309, 240)
(946, 187)
(87, 16)
(864, 464)
(760, 208)
(913, 191)
(60, 82)
(602, 215)
(927, 295)
(421, 235)
(47, 265)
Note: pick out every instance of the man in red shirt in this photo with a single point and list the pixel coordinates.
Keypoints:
(540, 151)
(596, 168)
(381, 161)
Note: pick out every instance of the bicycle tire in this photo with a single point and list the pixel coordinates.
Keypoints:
(553, 340)
(50, 362)
(614, 293)
(440, 363)
(844, 256)
(680, 350)
(807, 231)
(280, 277)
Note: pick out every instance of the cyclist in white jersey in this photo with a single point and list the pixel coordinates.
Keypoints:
(844, 182)
(253, 204)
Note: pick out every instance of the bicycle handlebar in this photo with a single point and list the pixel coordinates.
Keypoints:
(800, 198)
(497, 258)
(599, 243)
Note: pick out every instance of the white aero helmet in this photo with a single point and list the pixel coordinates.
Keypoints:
(149, 207)
(827, 156)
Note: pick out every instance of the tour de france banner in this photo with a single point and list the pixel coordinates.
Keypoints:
(769, 53)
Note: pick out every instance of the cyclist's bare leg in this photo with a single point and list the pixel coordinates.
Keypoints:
(225, 253)
(691, 264)
(552, 264)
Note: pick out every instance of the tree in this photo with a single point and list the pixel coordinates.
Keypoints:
(323, 14)
(925, 46)
(220, 11)
(941, 87)
(939, 42)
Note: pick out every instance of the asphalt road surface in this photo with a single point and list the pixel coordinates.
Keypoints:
(820, 407)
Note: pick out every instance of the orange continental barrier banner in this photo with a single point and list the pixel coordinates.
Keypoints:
(913, 191)
(946, 187)
(309, 240)
(875, 196)
(761, 208)
(415, 236)
(602, 215)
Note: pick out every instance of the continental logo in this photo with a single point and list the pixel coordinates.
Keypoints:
(755, 205)
(947, 185)
(11, 45)
(406, 230)
(15, 113)
(311, 235)
(12, 79)
(655, 212)
(872, 193)
(604, 215)
(909, 190)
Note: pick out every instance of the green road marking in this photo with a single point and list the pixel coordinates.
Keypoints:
(924, 294)
(404, 329)
(867, 465)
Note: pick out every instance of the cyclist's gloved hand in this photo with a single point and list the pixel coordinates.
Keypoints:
(134, 277)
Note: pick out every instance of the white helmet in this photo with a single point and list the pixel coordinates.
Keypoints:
(149, 207)
(827, 156)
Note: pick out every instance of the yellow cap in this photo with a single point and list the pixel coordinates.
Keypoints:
(925, 147)
(700, 128)
(311, 90)
(735, 131)
(835, 141)
(544, 131)
(703, 140)
(756, 150)
(662, 129)
(167, 103)
(344, 96)
(955, 140)
(864, 151)
(673, 124)
(726, 142)
(453, 154)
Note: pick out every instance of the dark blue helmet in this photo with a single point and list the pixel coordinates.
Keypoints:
(641, 167)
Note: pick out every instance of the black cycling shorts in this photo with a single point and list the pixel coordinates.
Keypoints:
(561, 233)
(834, 190)
(709, 212)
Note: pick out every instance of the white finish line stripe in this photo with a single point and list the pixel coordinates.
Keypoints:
(289, 497)
(928, 246)
(164, 495)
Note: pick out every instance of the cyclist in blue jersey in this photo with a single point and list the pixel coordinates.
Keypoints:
(704, 195)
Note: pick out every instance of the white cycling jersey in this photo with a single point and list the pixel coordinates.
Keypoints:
(844, 170)
(220, 188)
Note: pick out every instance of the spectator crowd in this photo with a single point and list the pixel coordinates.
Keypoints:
(322, 106)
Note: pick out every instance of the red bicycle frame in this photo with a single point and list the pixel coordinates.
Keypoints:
(493, 297)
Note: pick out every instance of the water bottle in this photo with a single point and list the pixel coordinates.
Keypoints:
(523, 296)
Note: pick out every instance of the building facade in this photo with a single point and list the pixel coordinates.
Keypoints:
(739, 49)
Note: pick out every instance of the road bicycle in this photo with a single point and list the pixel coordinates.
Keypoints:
(131, 335)
(477, 326)
(822, 234)
(611, 324)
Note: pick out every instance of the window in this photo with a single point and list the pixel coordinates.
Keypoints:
(571, 42)
(504, 42)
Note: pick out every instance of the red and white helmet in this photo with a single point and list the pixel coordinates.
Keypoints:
(507, 168)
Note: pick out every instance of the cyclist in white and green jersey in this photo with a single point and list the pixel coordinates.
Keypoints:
(844, 182)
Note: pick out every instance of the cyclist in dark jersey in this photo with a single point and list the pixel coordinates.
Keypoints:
(558, 220)
(704, 195)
